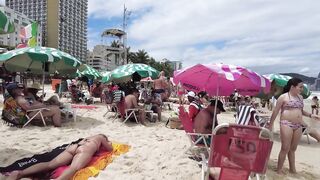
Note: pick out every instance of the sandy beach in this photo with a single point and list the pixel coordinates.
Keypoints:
(157, 152)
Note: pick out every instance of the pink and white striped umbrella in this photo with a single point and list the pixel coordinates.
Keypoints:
(222, 79)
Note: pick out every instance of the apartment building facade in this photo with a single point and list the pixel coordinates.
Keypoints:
(64, 23)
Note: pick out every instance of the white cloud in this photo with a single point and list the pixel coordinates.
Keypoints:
(2, 2)
(267, 36)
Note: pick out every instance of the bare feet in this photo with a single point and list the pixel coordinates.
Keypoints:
(14, 175)
(293, 171)
(281, 172)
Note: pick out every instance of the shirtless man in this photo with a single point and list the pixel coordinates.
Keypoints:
(160, 85)
(131, 102)
(204, 119)
(53, 111)
(77, 155)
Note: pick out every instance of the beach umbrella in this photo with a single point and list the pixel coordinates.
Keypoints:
(124, 73)
(106, 76)
(279, 81)
(6, 26)
(222, 80)
(88, 71)
(38, 60)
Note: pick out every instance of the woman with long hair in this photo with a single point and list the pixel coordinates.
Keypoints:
(290, 105)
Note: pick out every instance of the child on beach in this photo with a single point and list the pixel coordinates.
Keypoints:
(290, 104)
(315, 105)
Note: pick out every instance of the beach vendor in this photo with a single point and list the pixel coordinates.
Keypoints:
(290, 105)
(76, 155)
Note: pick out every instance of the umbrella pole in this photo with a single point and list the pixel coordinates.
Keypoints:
(43, 76)
(214, 122)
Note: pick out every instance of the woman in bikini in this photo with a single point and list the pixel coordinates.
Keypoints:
(77, 155)
(290, 104)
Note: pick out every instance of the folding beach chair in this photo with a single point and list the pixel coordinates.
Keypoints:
(246, 115)
(113, 102)
(13, 114)
(239, 151)
(196, 139)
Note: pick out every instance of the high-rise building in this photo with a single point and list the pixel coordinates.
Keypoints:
(64, 23)
(19, 20)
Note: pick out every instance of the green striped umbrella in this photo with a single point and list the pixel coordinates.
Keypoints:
(106, 76)
(123, 73)
(88, 71)
(5, 25)
(282, 80)
(39, 59)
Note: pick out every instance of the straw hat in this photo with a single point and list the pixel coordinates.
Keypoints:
(35, 86)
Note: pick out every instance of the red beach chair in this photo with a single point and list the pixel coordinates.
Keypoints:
(240, 150)
(196, 139)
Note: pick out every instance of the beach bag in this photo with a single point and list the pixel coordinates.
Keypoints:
(174, 122)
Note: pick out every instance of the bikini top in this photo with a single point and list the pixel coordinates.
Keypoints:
(294, 103)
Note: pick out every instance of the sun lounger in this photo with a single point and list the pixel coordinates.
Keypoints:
(239, 151)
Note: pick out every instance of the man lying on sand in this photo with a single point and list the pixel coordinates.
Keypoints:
(77, 155)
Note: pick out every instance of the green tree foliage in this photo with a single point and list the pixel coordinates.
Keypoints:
(142, 57)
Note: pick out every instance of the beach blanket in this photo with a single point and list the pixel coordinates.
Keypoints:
(98, 162)
(38, 158)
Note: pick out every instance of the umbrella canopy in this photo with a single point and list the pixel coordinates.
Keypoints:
(106, 76)
(88, 71)
(279, 81)
(221, 80)
(5, 25)
(124, 73)
(39, 59)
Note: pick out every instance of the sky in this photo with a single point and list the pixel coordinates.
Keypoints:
(269, 36)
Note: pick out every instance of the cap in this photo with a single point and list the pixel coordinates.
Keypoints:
(35, 86)
(191, 94)
(13, 86)
(219, 104)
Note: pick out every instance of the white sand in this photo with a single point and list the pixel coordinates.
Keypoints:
(157, 152)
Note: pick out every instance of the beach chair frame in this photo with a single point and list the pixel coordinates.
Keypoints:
(131, 113)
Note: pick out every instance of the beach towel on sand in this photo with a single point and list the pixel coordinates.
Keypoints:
(98, 162)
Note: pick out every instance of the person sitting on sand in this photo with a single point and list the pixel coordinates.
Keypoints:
(155, 102)
(97, 90)
(204, 120)
(195, 105)
(53, 111)
(131, 102)
(291, 105)
(30, 93)
(76, 155)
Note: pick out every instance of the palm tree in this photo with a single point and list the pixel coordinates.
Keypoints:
(139, 57)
